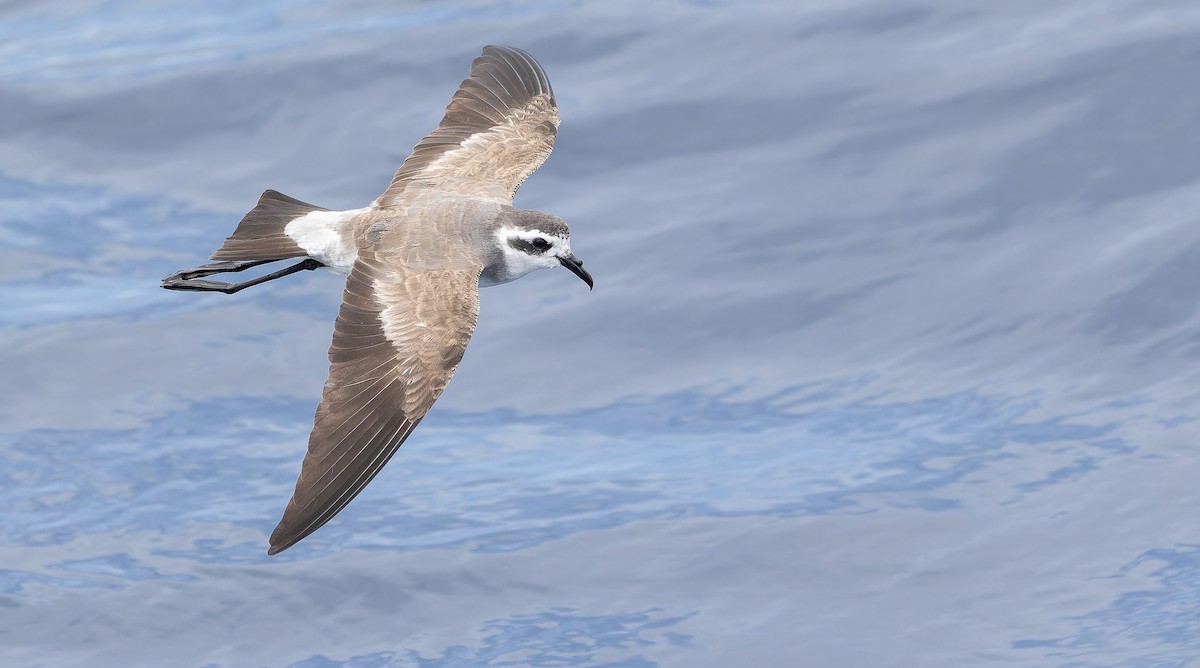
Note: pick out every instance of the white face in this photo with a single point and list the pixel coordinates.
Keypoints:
(527, 250)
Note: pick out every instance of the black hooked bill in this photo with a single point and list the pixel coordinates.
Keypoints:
(576, 266)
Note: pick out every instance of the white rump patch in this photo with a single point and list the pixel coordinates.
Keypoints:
(326, 237)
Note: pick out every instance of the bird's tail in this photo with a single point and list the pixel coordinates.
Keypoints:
(261, 236)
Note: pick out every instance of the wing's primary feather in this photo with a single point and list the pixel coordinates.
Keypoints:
(398, 339)
(498, 129)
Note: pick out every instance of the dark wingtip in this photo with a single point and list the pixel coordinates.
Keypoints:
(281, 540)
(523, 64)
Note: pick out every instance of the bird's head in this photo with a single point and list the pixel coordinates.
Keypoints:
(529, 240)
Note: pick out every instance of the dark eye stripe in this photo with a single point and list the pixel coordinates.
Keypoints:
(527, 247)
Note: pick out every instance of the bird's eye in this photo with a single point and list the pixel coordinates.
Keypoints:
(540, 243)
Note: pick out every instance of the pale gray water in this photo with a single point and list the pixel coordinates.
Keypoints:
(892, 360)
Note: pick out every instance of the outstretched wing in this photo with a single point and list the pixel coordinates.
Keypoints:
(498, 129)
(398, 339)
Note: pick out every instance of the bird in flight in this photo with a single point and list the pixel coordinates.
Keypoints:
(414, 259)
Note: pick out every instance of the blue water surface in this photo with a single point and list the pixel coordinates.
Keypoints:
(893, 357)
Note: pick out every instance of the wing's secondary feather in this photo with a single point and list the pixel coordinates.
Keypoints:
(397, 341)
(497, 130)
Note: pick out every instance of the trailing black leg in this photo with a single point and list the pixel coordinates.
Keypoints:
(187, 279)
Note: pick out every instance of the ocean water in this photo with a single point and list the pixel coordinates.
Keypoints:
(893, 357)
